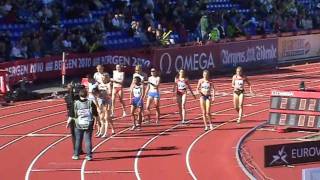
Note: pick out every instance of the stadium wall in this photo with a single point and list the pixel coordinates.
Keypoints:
(221, 57)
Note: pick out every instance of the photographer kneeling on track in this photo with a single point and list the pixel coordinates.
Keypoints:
(85, 113)
(70, 98)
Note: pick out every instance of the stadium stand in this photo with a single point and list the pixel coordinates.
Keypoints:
(89, 26)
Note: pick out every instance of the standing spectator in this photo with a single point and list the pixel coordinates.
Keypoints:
(70, 98)
(204, 25)
(85, 113)
(16, 52)
(116, 22)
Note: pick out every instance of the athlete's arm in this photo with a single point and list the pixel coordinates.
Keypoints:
(174, 85)
(142, 93)
(147, 90)
(213, 92)
(198, 87)
(131, 92)
(249, 84)
(233, 77)
(187, 82)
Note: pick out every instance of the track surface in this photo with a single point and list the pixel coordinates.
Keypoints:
(36, 144)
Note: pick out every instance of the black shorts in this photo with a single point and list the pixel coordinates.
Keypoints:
(238, 92)
(206, 97)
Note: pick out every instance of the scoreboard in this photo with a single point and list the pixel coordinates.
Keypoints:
(295, 109)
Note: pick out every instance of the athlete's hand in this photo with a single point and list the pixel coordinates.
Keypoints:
(68, 122)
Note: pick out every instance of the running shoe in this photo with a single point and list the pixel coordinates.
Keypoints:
(133, 128)
(211, 127)
(88, 158)
(206, 128)
(124, 114)
(74, 157)
(104, 136)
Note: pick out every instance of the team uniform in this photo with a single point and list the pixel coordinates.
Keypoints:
(98, 77)
(91, 86)
(105, 93)
(142, 76)
(137, 96)
(181, 86)
(153, 91)
(239, 85)
(119, 77)
(205, 90)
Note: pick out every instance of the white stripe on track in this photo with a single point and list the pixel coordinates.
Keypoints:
(27, 176)
(136, 168)
(187, 158)
(31, 110)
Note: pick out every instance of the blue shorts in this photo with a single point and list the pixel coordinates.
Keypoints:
(137, 102)
(206, 97)
(155, 95)
(104, 102)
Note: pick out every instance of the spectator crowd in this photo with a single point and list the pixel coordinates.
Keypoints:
(151, 22)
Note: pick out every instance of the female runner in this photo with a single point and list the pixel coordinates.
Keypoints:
(96, 98)
(136, 96)
(206, 90)
(92, 89)
(153, 94)
(143, 76)
(105, 95)
(180, 87)
(139, 73)
(117, 90)
(238, 81)
(99, 74)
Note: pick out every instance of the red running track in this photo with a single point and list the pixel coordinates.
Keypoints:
(34, 140)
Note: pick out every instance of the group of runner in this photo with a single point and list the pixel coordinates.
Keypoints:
(96, 103)
(104, 90)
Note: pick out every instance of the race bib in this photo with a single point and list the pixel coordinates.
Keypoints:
(239, 83)
(136, 92)
(205, 86)
(181, 85)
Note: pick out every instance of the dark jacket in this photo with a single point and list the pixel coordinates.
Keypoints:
(69, 99)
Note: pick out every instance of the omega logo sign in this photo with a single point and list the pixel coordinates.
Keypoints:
(191, 62)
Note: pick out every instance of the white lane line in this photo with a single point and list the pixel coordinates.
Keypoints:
(31, 110)
(47, 135)
(82, 171)
(53, 170)
(27, 176)
(85, 161)
(11, 135)
(202, 135)
(136, 168)
(124, 130)
(99, 172)
(25, 104)
(32, 119)
(24, 136)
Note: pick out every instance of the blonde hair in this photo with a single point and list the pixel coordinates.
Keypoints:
(138, 68)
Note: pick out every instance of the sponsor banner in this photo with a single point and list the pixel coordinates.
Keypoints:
(75, 64)
(190, 58)
(219, 57)
(299, 47)
(248, 54)
(293, 153)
